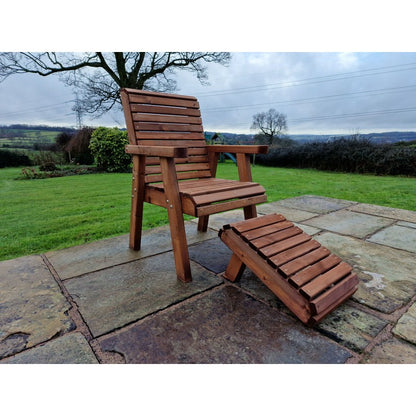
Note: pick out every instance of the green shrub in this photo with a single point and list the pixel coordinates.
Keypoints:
(107, 145)
(11, 159)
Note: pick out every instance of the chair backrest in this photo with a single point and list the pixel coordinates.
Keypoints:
(161, 119)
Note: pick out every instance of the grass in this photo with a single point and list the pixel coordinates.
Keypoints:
(50, 214)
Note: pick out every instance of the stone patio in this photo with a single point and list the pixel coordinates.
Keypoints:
(103, 303)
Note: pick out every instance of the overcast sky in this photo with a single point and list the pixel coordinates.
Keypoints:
(320, 93)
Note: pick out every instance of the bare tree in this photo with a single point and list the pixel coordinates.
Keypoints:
(97, 76)
(271, 126)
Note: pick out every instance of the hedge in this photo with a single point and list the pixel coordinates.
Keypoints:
(345, 155)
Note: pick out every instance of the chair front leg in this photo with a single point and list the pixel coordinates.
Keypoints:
(137, 200)
(176, 222)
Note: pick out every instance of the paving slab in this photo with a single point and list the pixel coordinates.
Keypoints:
(87, 258)
(68, 349)
(407, 224)
(392, 351)
(396, 236)
(351, 327)
(212, 254)
(292, 214)
(317, 204)
(33, 309)
(346, 325)
(395, 213)
(387, 275)
(406, 325)
(350, 223)
(111, 298)
(223, 326)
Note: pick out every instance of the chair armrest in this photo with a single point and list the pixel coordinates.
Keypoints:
(251, 149)
(161, 151)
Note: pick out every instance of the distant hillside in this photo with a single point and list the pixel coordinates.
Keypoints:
(385, 137)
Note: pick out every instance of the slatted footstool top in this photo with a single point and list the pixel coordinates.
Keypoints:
(304, 275)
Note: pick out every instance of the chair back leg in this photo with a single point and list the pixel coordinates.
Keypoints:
(203, 223)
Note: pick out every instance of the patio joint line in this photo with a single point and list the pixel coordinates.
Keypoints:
(74, 312)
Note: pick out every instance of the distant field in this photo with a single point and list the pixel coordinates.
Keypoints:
(51, 214)
(25, 138)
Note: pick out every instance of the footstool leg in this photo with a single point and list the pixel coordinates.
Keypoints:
(234, 269)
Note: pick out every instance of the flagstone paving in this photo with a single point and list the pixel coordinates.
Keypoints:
(104, 303)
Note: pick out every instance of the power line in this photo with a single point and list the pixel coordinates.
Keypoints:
(306, 81)
(35, 109)
(360, 114)
(378, 91)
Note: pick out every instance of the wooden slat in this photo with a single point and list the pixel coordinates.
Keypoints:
(272, 238)
(168, 136)
(254, 223)
(176, 142)
(226, 206)
(168, 127)
(276, 248)
(179, 168)
(226, 195)
(167, 101)
(304, 261)
(318, 268)
(156, 118)
(293, 253)
(317, 317)
(153, 109)
(333, 295)
(166, 151)
(133, 91)
(180, 175)
(260, 232)
(150, 160)
(192, 185)
(325, 280)
(218, 187)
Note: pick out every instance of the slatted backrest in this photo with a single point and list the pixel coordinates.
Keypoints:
(161, 119)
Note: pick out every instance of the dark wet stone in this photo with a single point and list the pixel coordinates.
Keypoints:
(212, 254)
(351, 327)
(224, 326)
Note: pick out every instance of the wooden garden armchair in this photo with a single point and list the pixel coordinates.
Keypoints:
(174, 168)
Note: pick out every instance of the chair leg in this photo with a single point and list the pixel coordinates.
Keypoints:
(250, 212)
(176, 222)
(234, 269)
(136, 216)
(203, 223)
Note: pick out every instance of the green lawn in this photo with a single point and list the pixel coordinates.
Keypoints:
(50, 214)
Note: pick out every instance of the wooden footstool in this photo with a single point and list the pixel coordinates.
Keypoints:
(304, 275)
